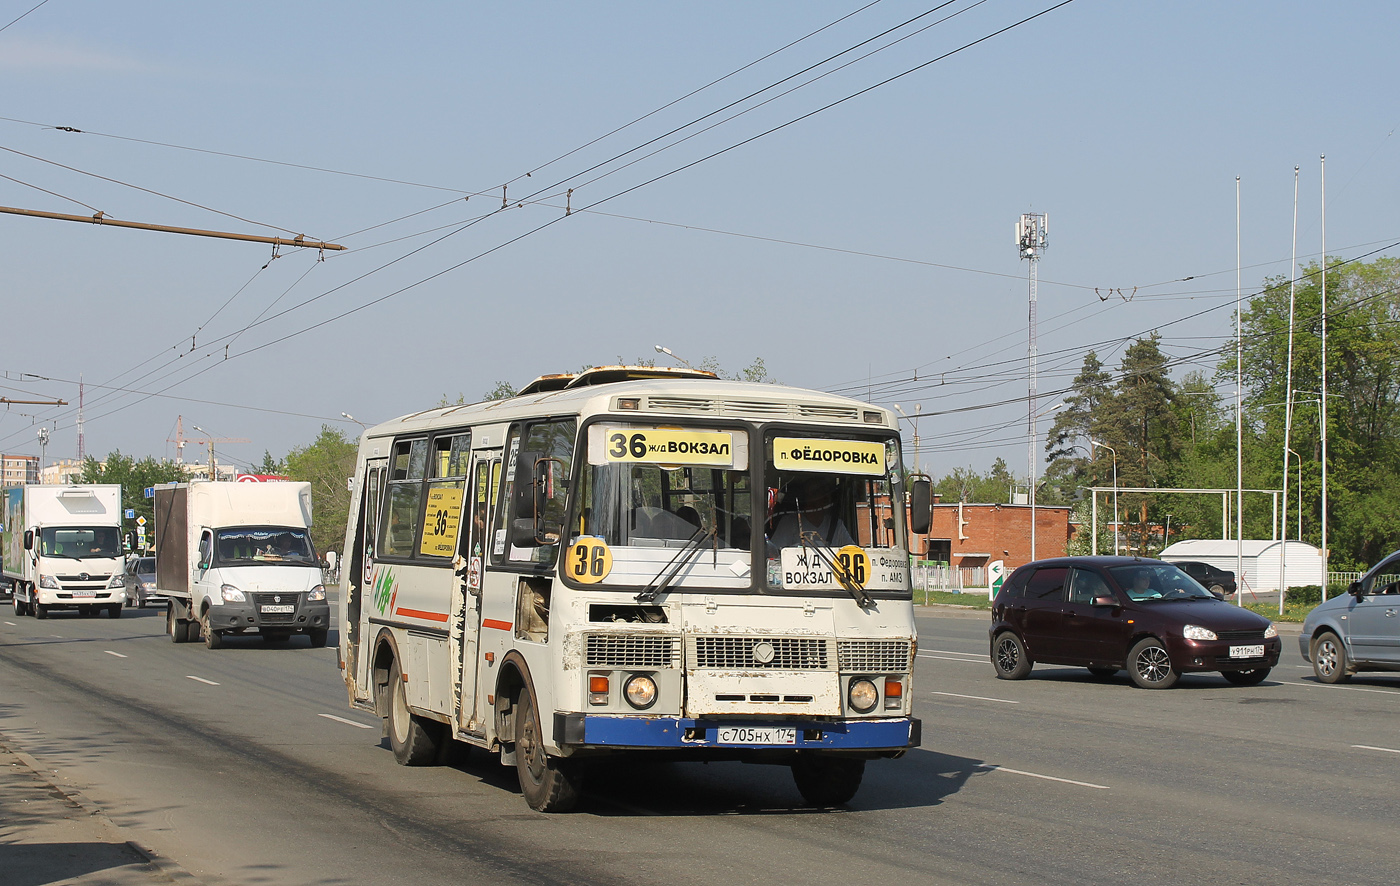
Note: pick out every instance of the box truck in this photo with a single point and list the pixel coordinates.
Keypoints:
(237, 558)
(63, 548)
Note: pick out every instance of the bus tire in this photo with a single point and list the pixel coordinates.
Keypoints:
(827, 780)
(413, 740)
(549, 784)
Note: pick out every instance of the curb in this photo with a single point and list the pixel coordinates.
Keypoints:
(167, 868)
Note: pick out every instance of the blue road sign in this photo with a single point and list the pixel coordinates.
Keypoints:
(150, 492)
(130, 514)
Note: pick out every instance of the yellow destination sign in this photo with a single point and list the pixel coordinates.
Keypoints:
(588, 560)
(669, 446)
(441, 521)
(828, 456)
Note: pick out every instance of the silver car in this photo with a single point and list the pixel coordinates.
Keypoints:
(140, 578)
(1358, 631)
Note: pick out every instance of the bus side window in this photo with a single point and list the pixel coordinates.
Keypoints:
(530, 524)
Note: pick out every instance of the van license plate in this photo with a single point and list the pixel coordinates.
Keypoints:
(84, 593)
(754, 735)
(1246, 651)
(276, 609)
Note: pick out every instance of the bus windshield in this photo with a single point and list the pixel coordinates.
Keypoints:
(80, 542)
(652, 497)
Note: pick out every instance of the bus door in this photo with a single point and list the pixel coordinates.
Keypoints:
(472, 545)
(359, 571)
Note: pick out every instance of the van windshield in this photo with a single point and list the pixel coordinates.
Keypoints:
(79, 542)
(263, 545)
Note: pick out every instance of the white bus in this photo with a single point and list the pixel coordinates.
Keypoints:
(635, 560)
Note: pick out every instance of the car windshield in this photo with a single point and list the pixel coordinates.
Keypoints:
(145, 566)
(264, 545)
(80, 542)
(1150, 582)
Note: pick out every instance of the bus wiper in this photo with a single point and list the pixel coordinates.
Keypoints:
(683, 558)
(854, 588)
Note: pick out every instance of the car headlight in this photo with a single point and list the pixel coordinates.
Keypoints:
(1196, 632)
(1271, 631)
(148, 586)
(48, 581)
(640, 691)
(317, 593)
(116, 581)
(232, 594)
(863, 696)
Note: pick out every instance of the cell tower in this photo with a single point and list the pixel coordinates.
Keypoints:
(1032, 237)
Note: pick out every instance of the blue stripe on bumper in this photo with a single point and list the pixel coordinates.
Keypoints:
(676, 732)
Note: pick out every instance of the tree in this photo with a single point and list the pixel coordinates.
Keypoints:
(270, 465)
(327, 464)
(503, 390)
(134, 477)
(1070, 465)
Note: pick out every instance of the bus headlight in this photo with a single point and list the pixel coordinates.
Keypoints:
(317, 593)
(863, 696)
(232, 594)
(640, 691)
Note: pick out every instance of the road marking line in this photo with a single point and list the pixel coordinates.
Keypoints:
(200, 679)
(117, 654)
(963, 660)
(1366, 747)
(345, 721)
(1352, 688)
(975, 697)
(12, 624)
(1083, 784)
(955, 652)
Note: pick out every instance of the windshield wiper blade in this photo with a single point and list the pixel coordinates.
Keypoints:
(683, 558)
(854, 588)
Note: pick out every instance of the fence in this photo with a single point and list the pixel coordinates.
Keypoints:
(932, 575)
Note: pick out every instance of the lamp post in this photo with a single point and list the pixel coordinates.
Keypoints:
(354, 419)
(914, 420)
(1092, 444)
(661, 349)
(213, 471)
(43, 449)
(1167, 533)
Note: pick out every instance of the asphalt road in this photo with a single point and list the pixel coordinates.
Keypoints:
(245, 766)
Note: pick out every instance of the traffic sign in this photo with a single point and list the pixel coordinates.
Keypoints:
(140, 521)
(130, 513)
(150, 492)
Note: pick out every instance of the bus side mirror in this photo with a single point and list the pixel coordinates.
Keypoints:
(29, 539)
(920, 506)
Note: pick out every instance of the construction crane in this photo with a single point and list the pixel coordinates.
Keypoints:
(179, 440)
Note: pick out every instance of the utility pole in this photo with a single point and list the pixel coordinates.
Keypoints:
(101, 219)
(1032, 237)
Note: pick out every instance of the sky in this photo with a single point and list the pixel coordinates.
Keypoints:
(832, 187)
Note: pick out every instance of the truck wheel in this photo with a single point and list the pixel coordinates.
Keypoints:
(827, 781)
(212, 638)
(318, 637)
(21, 608)
(550, 784)
(175, 627)
(114, 611)
(413, 739)
(40, 610)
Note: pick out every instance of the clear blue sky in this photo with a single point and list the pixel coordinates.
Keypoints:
(851, 250)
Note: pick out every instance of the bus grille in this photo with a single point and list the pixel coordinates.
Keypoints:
(874, 656)
(631, 651)
(738, 653)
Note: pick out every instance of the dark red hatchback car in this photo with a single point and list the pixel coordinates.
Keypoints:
(1110, 613)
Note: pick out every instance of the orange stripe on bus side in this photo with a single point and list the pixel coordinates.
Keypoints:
(427, 616)
(493, 623)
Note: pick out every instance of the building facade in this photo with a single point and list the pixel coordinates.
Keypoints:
(18, 470)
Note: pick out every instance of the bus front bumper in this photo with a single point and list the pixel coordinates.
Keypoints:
(609, 731)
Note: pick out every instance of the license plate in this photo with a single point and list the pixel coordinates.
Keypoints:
(279, 609)
(84, 593)
(1246, 651)
(755, 735)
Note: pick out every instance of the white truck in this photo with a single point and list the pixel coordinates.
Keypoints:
(235, 558)
(63, 548)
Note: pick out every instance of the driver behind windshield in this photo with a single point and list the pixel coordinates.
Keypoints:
(808, 514)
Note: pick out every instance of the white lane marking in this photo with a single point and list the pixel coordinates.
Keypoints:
(1352, 688)
(345, 721)
(117, 654)
(1083, 784)
(1366, 747)
(955, 652)
(200, 679)
(12, 624)
(963, 660)
(974, 697)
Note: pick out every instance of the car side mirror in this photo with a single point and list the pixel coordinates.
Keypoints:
(920, 506)
(1105, 600)
(1355, 590)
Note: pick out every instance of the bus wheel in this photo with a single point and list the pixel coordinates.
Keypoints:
(413, 740)
(827, 781)
(548, 783)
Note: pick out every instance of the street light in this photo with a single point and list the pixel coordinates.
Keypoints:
(213, 471)
(1092, 444)
(914, 420)
(1167, 533)
(354, 419)
(1299, 459)
(669, 353)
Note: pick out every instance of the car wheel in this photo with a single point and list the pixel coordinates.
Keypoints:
(413, 740)
(1151, 666)
(549, 784)
(1217, 589)
(1329, 658)
(827, 781)
(1009, 657)
(1246, 678)
(1103, 673)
